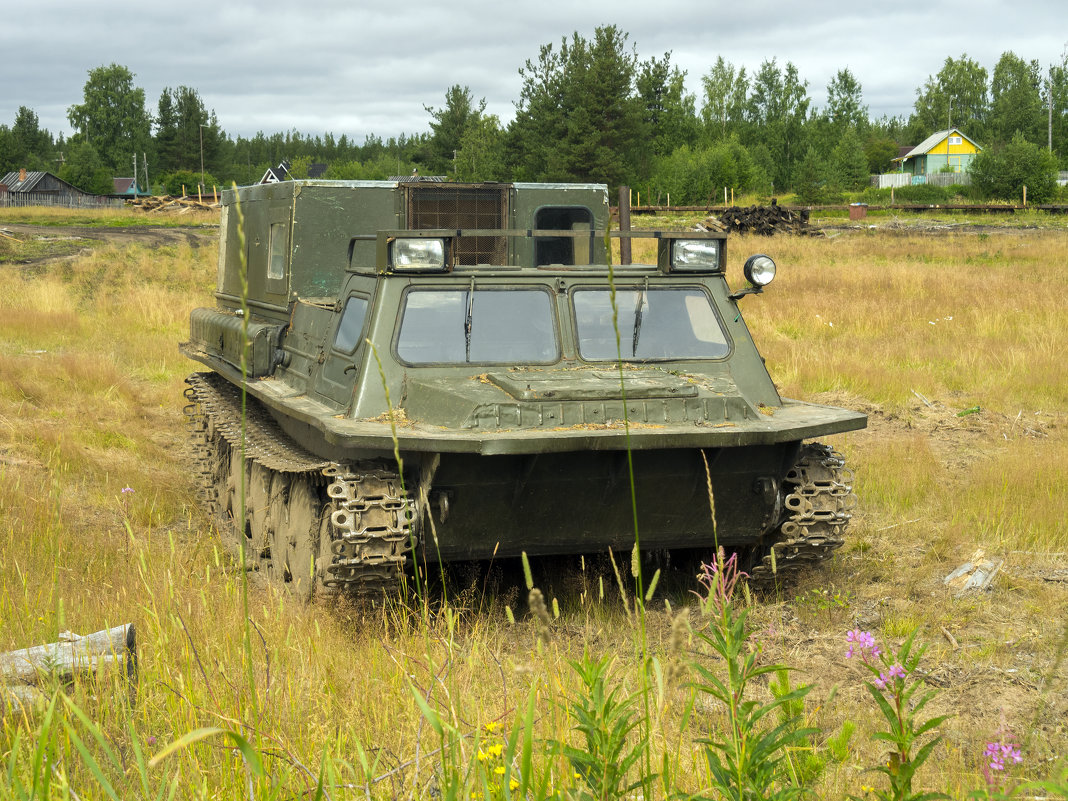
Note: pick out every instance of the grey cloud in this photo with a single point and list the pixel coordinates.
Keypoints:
(353, 67)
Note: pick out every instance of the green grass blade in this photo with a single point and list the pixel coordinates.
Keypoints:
(252, 759)
(429, 714)
(90, 762)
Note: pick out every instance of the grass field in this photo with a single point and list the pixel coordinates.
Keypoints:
(951, 339)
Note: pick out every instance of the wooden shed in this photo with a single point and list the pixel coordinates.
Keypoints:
(37, 188)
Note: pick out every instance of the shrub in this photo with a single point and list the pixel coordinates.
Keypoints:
(849, 164)
(815, 181)
(698, 176)
(1001, 174)
(173, 182)
(920, 194)
(924, 194)
(375, 169)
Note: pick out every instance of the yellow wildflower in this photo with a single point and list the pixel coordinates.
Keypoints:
(496, 750)
(499, 770)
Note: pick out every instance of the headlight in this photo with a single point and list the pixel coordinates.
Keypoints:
(695, 254)
(417, 255)
(759, 270)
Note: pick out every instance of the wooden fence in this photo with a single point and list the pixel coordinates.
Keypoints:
(70, 201)
(900, 179)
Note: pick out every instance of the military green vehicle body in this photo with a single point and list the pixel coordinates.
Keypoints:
(492, 368)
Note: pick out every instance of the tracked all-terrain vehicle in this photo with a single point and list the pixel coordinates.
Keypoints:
(403, 372)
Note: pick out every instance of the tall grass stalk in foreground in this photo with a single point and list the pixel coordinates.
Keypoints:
(249, 753)
(636, 566)
(246, 344)
(420, 596)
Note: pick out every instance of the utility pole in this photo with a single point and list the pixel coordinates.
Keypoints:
(1049, 105)
(200, 130)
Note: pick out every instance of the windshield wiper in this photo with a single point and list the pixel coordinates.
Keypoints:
(638, 309)
(469, 321)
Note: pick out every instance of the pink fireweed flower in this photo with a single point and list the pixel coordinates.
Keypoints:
(720, 578)
(894, 672)
(862, 644)
(998, 752)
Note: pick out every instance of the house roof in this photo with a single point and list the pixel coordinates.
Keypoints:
(123, 186)
(276, 174)
(13, 184)
(34, 179)
(925, 146)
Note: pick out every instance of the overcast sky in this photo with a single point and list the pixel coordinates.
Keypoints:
(357, 67)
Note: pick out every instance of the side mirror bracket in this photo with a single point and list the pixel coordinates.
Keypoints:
(749, 290)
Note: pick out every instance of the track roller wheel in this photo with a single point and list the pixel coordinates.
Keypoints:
(296, 538)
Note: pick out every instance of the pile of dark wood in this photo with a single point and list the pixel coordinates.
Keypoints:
(763, 220)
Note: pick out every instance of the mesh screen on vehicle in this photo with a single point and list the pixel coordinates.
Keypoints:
(445, 206)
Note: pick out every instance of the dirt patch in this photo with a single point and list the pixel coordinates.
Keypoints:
(46, 243)
(958, 435)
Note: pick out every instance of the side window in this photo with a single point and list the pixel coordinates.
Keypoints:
(276, 259)
(351, 325)
(562, 250)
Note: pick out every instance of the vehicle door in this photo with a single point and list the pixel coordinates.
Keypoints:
(344, 351)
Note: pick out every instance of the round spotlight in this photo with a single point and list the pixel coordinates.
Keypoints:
(759, 270)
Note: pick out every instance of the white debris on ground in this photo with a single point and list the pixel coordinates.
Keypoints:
(973, 576)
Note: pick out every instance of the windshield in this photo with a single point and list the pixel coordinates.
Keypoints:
(654, 323)
(490, 326)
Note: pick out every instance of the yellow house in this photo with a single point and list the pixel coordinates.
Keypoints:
(938, 150)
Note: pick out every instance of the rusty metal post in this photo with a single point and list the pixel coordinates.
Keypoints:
(624, 224)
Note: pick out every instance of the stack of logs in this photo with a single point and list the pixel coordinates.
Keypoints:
(180, 205)
(763, 220)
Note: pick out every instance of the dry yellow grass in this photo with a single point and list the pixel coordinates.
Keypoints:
(90, 403)
(976, 318)
(124, 215)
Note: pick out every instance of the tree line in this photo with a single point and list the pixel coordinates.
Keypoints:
(589, 109)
